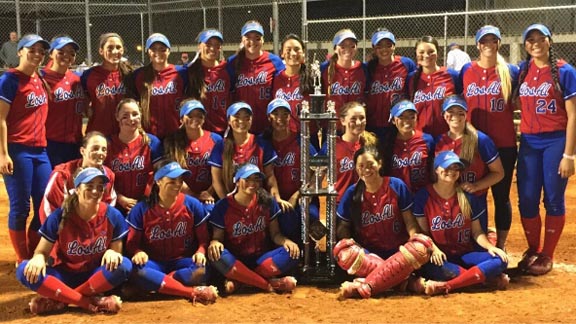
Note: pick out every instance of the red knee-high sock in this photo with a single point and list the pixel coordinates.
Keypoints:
(18, 239)
(95, 285)
(532, 228)
(171, 286)
(268, 269)
(469, 277)
(55, 289)
(240, 272)
(33, 239)
(554, 227)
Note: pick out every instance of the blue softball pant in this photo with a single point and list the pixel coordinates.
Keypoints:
(538, 159)
(491, 266)
(31, 174)
(150, 275)
(279, 256)
(291, 221)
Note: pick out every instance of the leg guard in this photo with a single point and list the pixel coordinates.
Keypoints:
(352, 258)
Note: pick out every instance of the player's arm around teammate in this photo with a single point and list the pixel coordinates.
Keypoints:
(451, 218)
(244, 224)
(168, 238)
(85, 237)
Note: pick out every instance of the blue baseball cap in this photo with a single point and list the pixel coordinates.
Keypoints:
(401, 107)
(31, 39)
(383, 34)
(190, 105)
(247, 170)
(454, 100)
(445, 159)
(88, 174)
(207, 34)
(236, 107)
(171, 170)
(157, 37)
(541, 28)
(277, 103)
(488, 30)
(252, 26)
(340, 37)
(60, 42)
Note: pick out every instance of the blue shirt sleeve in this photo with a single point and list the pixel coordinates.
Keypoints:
(343, 211)
(217, 216)
(156, 148)
(460, 84)
(455, 77)
(404, 196)
(231, 69)
(8, 87)
(136, 215)
(568, 80)
(420, 199)
(277, 62)
(514, 72)
(196, 208)
(215, 159)
(478, 207)
(215, 137)
(408, 64)
(274, 209)
(486, 148)
(118, 222)
(430, 144)
(183, 73)
(49, 230)
(269, 152)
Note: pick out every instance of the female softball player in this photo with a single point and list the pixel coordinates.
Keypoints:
(209, 81)
(24, 163)
(104, 85)
(61, 182)
(168, 237)
(252, 71)
(462, 254)
(130, 155)
(247, 245)
(429, 85)
(294, 84)
(408, 153)
(547, 95)
(159, 87)
(487, 88)
(484, 167)
(84, 237)
(387, 74)
(239, 147)
(376, 213)
(191, 146)
(65, 103)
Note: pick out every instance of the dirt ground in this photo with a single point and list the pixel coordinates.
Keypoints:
(550, 298)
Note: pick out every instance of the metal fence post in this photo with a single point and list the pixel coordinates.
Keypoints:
(445, 38)
(363, 29)
(276, 29)
(466, 27)
(220, 18)
(18, 25)
(142, 36)
(88, 38)
(150, 28)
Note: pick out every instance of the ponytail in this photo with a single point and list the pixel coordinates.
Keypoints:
(464, 203)
(469, 143)
(505, 79)
(148, 81)
(68, 207)
(331, 71)
(175, 146)
(554, 70)
(197, 87)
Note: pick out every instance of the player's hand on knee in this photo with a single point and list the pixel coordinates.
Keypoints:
(140, 258)
(292, 249)
(111, 260)
(494, 251)
(214, 250)
(284, 205)
(35, 267)
(199, 258)
(438, 257)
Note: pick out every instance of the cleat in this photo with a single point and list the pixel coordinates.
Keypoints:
(527, 259)
(43, 305)
(416, 284)
(284, 284)
(349, 289)
(435, 287)
(500, 282)
(541, 266)
(108, 304)
(204, 294)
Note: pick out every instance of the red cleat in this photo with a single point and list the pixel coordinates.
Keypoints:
(108, 304)
(541, 266)
(349, 289)
(500, 282)
(435, 287)
(284, 284)
(204, 294)
(527, 259)
(43, 305)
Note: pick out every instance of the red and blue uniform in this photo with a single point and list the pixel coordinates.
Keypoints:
(410, 160)
(61, 183)
(197, 161)
(346, 84)
(217, 97)
(252, 84)
(288, 88)
(104, 89)
(26, 138)
(345, 171)
(382, 224)
(132, 164)
(256, 151)
(430, 93)
(165, 96)
(65, 111)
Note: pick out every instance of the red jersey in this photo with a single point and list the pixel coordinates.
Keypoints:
(288, 88)
(387, 85)
(345, 171)
(410, 160)
(217, 97)
(81, 244)
(346, 84)
(253, 85)
(105, 89)
(287, 166)
(28, 102)
(167, 92)
(256, 151)
(428, 98)
(132, 164)
(246, 228)
(487, 109)
(168, 234)
(543, 108)
(197, 156)
(65, 107)
(61, 183)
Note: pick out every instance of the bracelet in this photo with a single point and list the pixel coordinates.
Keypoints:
(569, 157)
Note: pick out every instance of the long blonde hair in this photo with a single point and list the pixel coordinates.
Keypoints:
(366, 138)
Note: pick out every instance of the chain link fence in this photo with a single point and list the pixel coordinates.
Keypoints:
(182, 20)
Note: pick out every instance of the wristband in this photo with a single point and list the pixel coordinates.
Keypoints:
(569, 157)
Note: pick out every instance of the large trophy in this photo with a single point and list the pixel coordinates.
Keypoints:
(323, 269)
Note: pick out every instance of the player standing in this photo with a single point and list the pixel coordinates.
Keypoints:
(84, 237)
(65, 103)
(130, 155)
(547, 95)
(168, 237)
(451, 218)
(247, 245)
(24, 163)
(487, 87)
(209, 81)
(252, 71)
